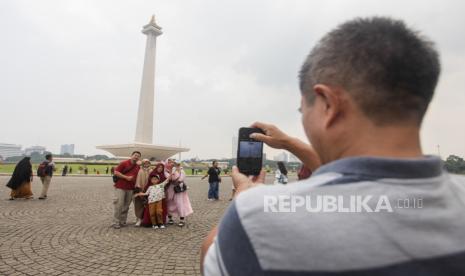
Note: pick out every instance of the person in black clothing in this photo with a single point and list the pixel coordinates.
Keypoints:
(214, 180)
(65, 170)
(281, 173)
(20, 182)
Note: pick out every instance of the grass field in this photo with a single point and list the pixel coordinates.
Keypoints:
(96, 169)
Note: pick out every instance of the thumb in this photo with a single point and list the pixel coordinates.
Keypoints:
(237, 176)
(240, 181)
(261, 177)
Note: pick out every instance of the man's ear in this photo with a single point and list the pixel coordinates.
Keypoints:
(331, 103)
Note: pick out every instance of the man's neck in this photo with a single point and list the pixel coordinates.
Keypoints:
(394, 142)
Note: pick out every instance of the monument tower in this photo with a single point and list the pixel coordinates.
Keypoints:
(144, 128)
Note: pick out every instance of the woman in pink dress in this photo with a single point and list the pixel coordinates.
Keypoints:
(178, 203)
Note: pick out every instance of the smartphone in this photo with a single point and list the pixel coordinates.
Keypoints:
(249, 152)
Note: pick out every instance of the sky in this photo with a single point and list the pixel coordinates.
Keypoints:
(70, 71)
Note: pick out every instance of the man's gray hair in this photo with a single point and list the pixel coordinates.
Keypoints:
(388, 69)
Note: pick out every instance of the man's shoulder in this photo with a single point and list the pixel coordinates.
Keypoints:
(125, 163)
(457, 177)
(459, 182)
(295, 188)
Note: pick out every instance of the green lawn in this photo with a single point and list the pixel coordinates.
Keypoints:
(77, 169)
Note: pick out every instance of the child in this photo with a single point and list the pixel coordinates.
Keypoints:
(155, 193)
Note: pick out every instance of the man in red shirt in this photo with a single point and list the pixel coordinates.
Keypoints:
(124, 186)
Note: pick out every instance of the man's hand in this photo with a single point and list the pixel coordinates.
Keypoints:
(129, 178)
(277, 139)
(242, 182)
(273, 136)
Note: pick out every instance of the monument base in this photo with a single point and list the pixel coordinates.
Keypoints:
(149, 151)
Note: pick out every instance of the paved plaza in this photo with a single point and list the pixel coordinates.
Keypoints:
(70, 233)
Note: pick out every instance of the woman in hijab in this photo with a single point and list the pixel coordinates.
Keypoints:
(20, 182)
(281, 174)
(141, 181)
(159, 171)
(178, 203)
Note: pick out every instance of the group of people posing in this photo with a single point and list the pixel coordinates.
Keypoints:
(159, 194)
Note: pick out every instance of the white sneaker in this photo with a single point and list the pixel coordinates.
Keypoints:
(155, 227)
(162, 226)
(138, 222)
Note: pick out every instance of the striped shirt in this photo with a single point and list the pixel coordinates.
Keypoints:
(359, 216)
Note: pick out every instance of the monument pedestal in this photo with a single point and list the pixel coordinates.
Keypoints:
(149, 151)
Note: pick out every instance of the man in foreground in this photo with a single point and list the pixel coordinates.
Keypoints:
(376, 205)
(127, 173)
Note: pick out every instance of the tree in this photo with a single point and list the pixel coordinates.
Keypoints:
(455, 164)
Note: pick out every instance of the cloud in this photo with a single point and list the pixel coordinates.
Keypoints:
(70, 71)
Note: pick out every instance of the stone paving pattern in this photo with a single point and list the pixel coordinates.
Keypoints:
(69, 233)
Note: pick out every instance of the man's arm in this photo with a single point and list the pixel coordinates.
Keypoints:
(206, 244)
(120, 175)
(208, 172)
(241, 183)
(277, 139)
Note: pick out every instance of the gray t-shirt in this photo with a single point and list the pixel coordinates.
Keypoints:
(354, 216)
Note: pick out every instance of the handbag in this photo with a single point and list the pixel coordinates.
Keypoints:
(178, 188)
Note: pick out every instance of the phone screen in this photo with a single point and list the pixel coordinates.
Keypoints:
(249, 152)
(250, 149)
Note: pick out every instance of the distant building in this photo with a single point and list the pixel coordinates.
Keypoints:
(67, 149)
(38, 149)
(10, 150)
(283, 156)
(68, 159)
(234, 147)
(221, 165)
(264, 156)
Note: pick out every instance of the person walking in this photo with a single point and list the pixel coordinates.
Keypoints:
(65, 170)
(214, 180)
(45, 172)
(126, 174)
(281, 174)
(20, 181)
(141, 182)
(178, 202)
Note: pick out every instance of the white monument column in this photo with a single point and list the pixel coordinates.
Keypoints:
(144, 128)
